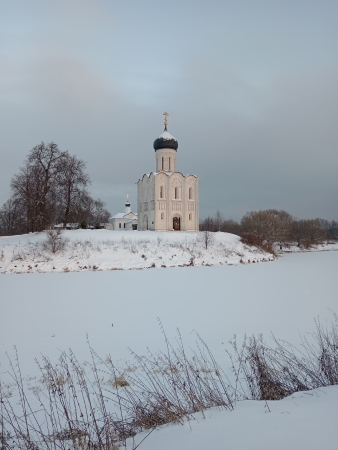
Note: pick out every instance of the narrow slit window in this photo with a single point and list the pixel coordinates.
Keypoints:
(176, 192)
(190, 216)
(169, 163)
(161, 191)
(190, 193)
(162, 163)
(162, 215)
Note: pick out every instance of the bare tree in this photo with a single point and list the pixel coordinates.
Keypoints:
(9, 217)
(264, 228)
(26, 187)
(231, 226)
(219, 219)
(217, 223)
(206, 237)
(332, 229)
(72, 181)
(50, 188)
(315, 231)
(46, 157)
(308, 232)
(89, 211)
(207, 224)
(298, 232)
(270, 225)
(100, 214)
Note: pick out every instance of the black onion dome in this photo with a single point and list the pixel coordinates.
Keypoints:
(165, 140)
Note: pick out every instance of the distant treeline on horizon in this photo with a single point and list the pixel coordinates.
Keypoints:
(271, 226)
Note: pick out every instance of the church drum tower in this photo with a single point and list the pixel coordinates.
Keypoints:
(167, 200)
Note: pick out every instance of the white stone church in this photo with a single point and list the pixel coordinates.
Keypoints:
(167, 199)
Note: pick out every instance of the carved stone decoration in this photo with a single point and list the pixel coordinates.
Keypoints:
(176, 182)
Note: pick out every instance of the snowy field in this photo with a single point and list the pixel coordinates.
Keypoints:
(97, 250)
(44, 313)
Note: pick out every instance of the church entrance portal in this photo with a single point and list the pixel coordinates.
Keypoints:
(176, 224)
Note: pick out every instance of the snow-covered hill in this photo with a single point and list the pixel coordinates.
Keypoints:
(111, 250)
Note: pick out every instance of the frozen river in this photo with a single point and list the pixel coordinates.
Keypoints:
(46, 313)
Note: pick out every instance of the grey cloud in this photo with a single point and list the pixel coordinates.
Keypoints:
(253, 102)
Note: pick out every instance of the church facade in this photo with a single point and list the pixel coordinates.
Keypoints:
(167, 199)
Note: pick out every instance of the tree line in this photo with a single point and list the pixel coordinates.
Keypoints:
(274, 226)
(50, 188)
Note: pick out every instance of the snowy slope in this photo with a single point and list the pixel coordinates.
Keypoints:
(112, 250)
(303, 421)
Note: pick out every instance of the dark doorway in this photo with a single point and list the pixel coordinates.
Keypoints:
(176, 224)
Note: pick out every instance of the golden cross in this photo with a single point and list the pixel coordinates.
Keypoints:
(165, 118)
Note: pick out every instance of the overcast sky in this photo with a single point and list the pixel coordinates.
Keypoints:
(251, 88)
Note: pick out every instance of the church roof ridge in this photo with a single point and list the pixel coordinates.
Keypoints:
(122, 215)
(168, 174)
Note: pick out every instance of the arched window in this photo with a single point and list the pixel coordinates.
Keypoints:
(176, 192)
(162, 163)
(190, 193)
(162, 215)
(161, 191)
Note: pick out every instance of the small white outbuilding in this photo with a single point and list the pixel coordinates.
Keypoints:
(126, 220)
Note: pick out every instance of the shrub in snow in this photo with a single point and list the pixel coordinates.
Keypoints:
(257, 241)
(54, 241)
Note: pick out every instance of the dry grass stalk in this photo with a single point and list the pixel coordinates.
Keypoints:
(101, 406)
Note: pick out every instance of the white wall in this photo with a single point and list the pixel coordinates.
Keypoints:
(151, 204)
(169, 160)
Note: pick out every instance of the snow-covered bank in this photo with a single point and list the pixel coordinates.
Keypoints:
(293, 248)
(111, 250)
(305, 420)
